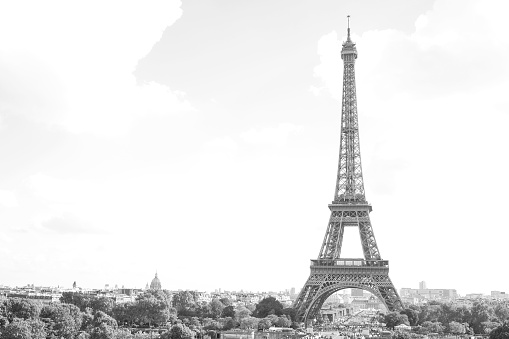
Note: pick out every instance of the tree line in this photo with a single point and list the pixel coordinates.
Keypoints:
(482, 317)
(82, 316)
(182, 316)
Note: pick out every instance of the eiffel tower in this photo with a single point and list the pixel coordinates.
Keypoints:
(329, 272)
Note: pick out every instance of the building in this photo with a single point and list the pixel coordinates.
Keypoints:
(429, 293)
(499, 295)
(155, 284)
(422, 285)
(356, 292)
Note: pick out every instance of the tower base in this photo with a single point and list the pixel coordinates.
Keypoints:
(331, 275)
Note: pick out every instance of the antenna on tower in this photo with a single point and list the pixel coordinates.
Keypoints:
(348, 18)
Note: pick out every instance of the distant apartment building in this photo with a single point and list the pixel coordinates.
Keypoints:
(499, 295)
(422, 285)
(356, 292)
(203, 297)
(474, 296)
(428, 294)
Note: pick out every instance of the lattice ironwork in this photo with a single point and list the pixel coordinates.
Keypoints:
(331, 273)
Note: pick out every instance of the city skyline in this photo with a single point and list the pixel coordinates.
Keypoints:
(201, 140)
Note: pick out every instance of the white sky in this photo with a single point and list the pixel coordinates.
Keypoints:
(201, 140)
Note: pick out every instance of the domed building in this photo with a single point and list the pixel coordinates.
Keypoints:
(155, 284)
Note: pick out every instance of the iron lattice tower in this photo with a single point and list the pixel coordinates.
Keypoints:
(330, 272)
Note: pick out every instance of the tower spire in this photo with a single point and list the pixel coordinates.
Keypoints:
(348, 18)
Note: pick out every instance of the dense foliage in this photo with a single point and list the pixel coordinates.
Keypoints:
(481, 317)
(182, 316)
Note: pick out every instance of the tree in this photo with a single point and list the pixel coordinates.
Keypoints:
(124, 313)
(179, 331)
(102, 304)
(228, 311)
(489, 326)
(250, 323)
(82, 301)
(290, 313)
(393, 319)
(264, 324)
(216, 308)
(481, 313)
(184, 301)
(103, 331)
(3, 322)
(413, 316)
(401, 335)
(502, 312)
(268, 306)
(501, 332)
(456, 328)
(152, 310)
(62, 320)
(101, 318)
(283, 321)
(273, 319)
(22, 308)
(87, 322)
(24, 329)
(432, 327)
(226, 302)
(228, 323)
(242, 312)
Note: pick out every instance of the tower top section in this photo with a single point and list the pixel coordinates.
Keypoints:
(348, 52)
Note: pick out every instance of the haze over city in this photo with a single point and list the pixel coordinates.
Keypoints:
(200, 139)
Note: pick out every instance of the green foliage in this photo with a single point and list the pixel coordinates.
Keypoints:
(178, 331)
(412, 315)
(502, 312)
(432, 327)
(501, 332)
(22, 308)
(489, 326)
(82, 301)
(62, 321)
(268, 306)
(401, 335)
(152, 308)
(249, 323)
(482, 312)
(456, 328)
(290, 312)
(228, 323)
(242, 312)
(24, 329)
(226, 302)
(124, 313)
(283, 321)
(216, 308)
(103, 331)
(393, 319)
(264, 324)
(228, 311)
(184, 301)
(102, 304)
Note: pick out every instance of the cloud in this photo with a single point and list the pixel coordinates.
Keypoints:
(71, 65)
(66, 224)
(329, 69)
(274, 135)
(8, 199)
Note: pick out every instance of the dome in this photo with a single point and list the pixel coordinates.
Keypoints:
(155, 284)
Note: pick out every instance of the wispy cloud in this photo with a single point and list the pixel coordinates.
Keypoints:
(273, 135)
(8, 199)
